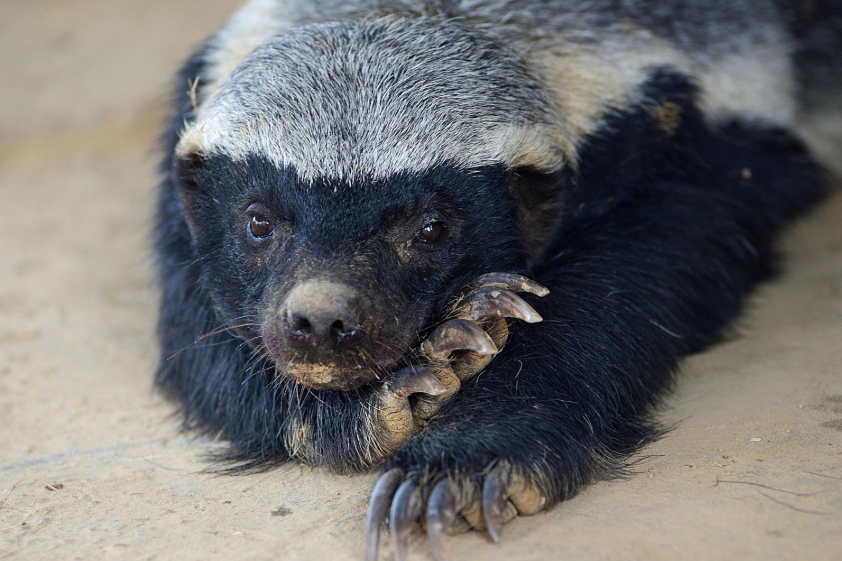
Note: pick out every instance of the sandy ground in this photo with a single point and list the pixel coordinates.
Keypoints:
(753, 469)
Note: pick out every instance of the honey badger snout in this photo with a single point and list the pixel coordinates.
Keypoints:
(325, 336)
(323, 317)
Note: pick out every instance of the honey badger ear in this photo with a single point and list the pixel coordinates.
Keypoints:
(539, 195)
(188, 172)
(188, 175)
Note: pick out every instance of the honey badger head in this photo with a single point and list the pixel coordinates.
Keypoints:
(348, 178)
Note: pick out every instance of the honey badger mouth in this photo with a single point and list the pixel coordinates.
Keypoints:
(335, 346)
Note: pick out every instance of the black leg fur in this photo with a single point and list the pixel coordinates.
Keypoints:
(667, 234)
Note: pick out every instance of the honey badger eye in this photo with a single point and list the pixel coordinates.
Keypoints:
(431, 232)
(259, 226)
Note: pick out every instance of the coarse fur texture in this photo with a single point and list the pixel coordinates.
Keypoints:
(636, 158)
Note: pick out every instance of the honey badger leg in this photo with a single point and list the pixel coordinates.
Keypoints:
(632, 289)
(456, 350)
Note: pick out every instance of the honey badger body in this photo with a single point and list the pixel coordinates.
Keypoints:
(341, 172)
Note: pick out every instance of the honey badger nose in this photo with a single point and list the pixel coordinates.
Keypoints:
(322, 315)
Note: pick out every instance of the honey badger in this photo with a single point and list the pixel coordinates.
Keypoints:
(369, 207)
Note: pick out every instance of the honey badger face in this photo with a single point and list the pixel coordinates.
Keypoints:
(335, 282)
(348, 179)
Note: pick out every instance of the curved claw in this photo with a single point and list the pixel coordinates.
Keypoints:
(491, 301)
(441, 510)
(424, 407)
(406, 508)
(415, 379)
(458, 335)
(396, 417)
(381, 496)
(515, 283)
(494, 502)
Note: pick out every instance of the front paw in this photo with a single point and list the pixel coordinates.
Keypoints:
(459, 348)
(448, 505)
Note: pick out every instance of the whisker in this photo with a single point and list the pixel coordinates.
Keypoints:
(224, 329)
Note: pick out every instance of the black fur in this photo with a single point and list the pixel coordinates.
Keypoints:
(665, 236)
(663, 233)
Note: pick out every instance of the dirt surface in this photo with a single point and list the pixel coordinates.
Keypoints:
(752, 470)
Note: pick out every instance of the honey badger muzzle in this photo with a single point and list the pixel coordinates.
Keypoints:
(324, 336)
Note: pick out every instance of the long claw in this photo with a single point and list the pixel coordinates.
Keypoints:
(406, 508)
(381, 496)
(424, 407)
(491, 301)
(415, 379)
(458, 335)
(441, 510)
(493, 502)
(515, 283)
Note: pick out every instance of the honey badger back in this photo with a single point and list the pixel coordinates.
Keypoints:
(352, 190)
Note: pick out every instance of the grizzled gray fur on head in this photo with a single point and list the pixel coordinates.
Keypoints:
(516, 81)
(365, 100)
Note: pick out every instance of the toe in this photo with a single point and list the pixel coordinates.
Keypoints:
(490, 302)
(381, 498)
(508, 281)
(494, 501)
(457, 335)
(527, 498)
(414, 380)
(396, 417)
(441, 512)
(406, 508)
